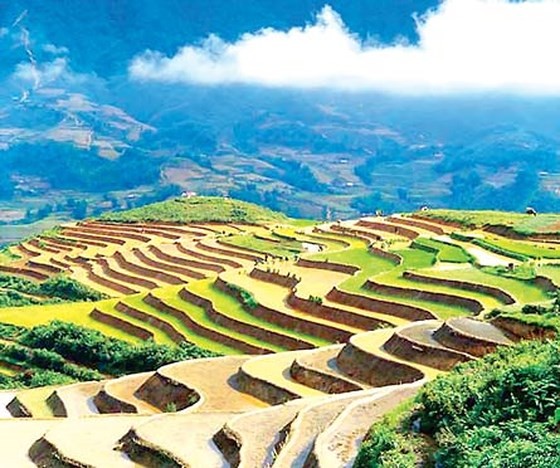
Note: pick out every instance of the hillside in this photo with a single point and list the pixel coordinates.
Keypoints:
(224, 316)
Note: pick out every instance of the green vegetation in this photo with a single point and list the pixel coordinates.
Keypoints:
(109, 355)
(519, 249)
(18, 292)
(499, 411)
(445, 252)
(249, 241)
(198, 210)
(522, 290)
(521, 223)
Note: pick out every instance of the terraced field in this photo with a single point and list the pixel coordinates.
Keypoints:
(323, 328)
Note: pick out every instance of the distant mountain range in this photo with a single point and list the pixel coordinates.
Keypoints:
(75, 128)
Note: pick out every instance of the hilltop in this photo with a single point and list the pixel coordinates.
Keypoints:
(198, 210)
(235, 317)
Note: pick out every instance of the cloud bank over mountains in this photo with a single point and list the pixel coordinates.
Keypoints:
(464, 46)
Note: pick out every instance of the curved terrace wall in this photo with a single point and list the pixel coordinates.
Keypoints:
(452, 337)
(155, 322)
(319, 380)
(390, 228)
(197, 328)
(374, 370)
(142, 257)
(184, 261)
(367, 237)
(405, 347)
(99, 238)
(108, 404)
(121, 288)
(229, 253)
(291, 322)
(44, 266)
(391, 256)
(146, 272)
(160, 390)
(326, 265)
(269, 336)
(114, 232)
(497, 293)
(85, 242)
(443, 222)
(334, 314)
(111, 273)
(419, 294)
(411, 222)
(317, 230)
(517, 330)
(24, 272)
(249, 255)
(377, 305)
(43, 246)
(122, 325)
(208, 258)
(274, 278)
(263, 389)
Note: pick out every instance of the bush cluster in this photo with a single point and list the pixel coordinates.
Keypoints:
(499, 411)
(108, 355)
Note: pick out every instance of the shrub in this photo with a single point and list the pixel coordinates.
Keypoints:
(109, 355)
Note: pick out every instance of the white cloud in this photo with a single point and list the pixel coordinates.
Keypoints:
(42, 73)
(465, 45)
(55, 50)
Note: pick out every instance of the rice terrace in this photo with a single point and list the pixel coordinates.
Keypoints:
(208, 332)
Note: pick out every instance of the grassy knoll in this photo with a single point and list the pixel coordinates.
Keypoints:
(196, 210)
(446, 252)
(520, 222)
(498, 411)
(232, 308)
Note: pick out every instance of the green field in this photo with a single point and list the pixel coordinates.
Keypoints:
(528, 249)
(446, 252)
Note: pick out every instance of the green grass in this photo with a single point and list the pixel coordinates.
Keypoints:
(77, 313)
(199, 209)
(446, 252)
(552, 272)
(231, 307)
(527, 249)
(284, 249)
